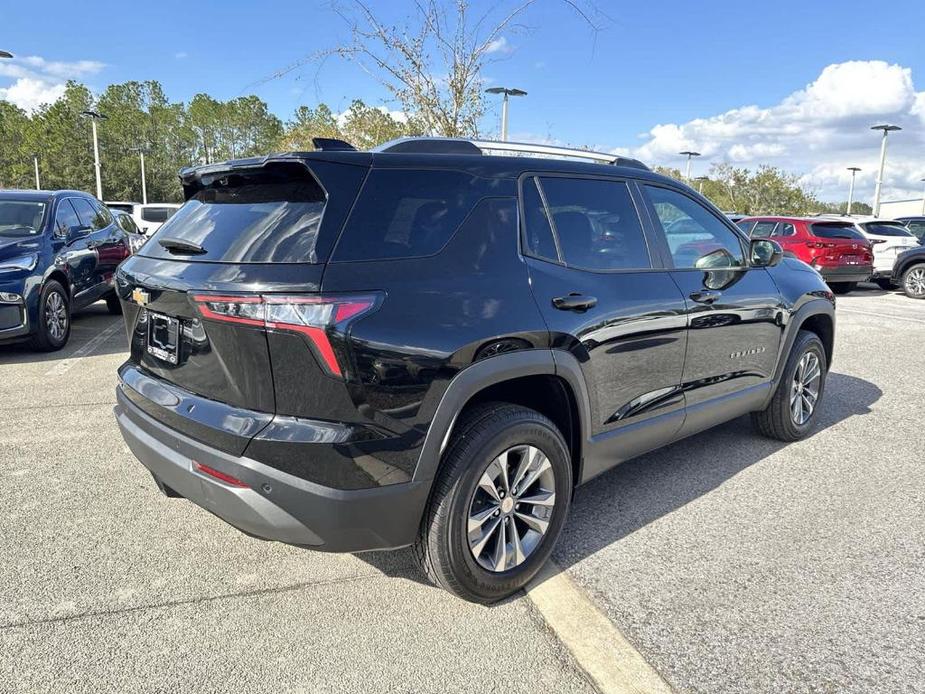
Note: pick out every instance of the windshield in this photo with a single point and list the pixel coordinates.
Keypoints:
(836, 230)
(21, 218)
(886, 229)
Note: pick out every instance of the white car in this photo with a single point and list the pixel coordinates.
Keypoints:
(888, 239)
(148, 217)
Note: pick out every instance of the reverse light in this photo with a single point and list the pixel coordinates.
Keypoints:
(312, 316)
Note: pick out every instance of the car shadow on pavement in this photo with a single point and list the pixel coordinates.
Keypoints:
(86, 324)
(644, 489)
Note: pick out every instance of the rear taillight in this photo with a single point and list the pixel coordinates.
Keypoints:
(312, 316)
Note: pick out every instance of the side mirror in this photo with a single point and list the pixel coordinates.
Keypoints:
(764, 253)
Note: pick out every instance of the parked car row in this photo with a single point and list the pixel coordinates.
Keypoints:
(844, 250)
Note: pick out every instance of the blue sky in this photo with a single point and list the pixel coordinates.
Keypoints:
(673, 64)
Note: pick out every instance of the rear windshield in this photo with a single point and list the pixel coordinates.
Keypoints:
(267, 216)
(409, 214)
(836, 230)
(886, 229)
(21, 218)
(157, 214)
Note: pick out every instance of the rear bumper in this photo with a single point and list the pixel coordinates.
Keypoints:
(275, 505)
(846, 273)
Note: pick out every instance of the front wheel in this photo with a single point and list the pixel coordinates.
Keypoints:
(843, 287)
(498, 504)
(914, 281)
(54, 320)
(791, 414)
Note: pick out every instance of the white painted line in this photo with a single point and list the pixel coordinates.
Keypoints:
(879, 315)
(607, 657)
(65, 365)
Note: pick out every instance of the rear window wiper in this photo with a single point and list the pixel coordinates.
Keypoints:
(180, 246)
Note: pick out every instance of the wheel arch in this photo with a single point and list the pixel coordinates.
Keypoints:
(817, 316)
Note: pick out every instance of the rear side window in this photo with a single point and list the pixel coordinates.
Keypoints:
(763, 230)
(408, 214)
(596, 224)
(270, 215)
(835, 230)
(157, 214)
(785, 229)
(539, 239)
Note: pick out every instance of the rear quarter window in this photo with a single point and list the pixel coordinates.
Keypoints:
(409, 214)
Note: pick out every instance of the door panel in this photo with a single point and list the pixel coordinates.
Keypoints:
(75, 251)
(92, 245)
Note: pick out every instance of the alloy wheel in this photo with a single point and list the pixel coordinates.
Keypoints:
(55, 315)
(915, 281)
(804, 392)
(511, 508)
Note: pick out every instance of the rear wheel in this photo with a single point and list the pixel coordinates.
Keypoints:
(843, 287)
(54, 319)
(792, 411)
(883, 282)
(498, 504)
(914, 281)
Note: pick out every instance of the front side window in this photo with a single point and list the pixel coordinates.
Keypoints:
(696, 237)
(917, 228)
(21, 218)
(596, 224)
(89, 217)
(66, 219)
(763, 230)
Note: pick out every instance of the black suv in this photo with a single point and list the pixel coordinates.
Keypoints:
(426, 345)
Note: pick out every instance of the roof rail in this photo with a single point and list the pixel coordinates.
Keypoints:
(456, 145)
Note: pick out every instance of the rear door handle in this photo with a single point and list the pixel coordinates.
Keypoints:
(574, 302)
(705, 296)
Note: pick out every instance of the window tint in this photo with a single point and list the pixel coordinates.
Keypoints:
(696, 237)
(102, 217)
(835, 230)
(596, 224)
(917, 228)
(156, 214)
(785, 229)
(886, 229)
(66, 219)
(763, 229)
(745, 226)
(85, 211)
(408, 214)
(127, 223)
(539, 240)
(267, 216)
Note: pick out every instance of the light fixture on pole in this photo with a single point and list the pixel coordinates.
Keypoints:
(144, 188)
(689, 155)
(5, 54)
(887, 129)
(35, 160)
(854, 171)
(508, 92)
(95, 116)
(701, 179)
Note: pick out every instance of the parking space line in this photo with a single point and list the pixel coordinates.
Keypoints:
(611, 662)
(881, 315)
(64, 365)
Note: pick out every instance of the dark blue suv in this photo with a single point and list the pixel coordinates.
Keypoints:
(58, 253)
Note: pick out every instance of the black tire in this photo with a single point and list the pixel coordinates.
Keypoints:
(442, 547)
(777, 421)
(883, 282)
(912, 281)
(46, 338)
(112, 303)
(843, 287)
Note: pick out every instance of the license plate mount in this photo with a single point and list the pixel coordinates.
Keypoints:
(163, 337)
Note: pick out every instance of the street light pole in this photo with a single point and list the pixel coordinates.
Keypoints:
(94, 116)
(35, 160)
(701, 179)
(144, 189)
(508, 92)
(922, 180)
(689, 155)
(887, 129)
(854, 170)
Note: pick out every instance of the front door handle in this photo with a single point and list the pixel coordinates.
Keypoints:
(574, 302)
(705, 296)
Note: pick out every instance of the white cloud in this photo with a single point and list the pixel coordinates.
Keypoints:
(816, 132)
(181, 55)
(39, 81)
(499, 45)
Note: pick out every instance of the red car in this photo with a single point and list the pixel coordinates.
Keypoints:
(835, 248)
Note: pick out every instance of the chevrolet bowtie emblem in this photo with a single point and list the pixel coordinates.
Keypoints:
(140, 296)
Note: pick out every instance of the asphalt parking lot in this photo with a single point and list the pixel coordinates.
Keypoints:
(732, 563)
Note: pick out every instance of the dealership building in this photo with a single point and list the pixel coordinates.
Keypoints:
(891, 209)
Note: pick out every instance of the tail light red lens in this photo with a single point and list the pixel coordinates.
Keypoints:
(312, 316)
